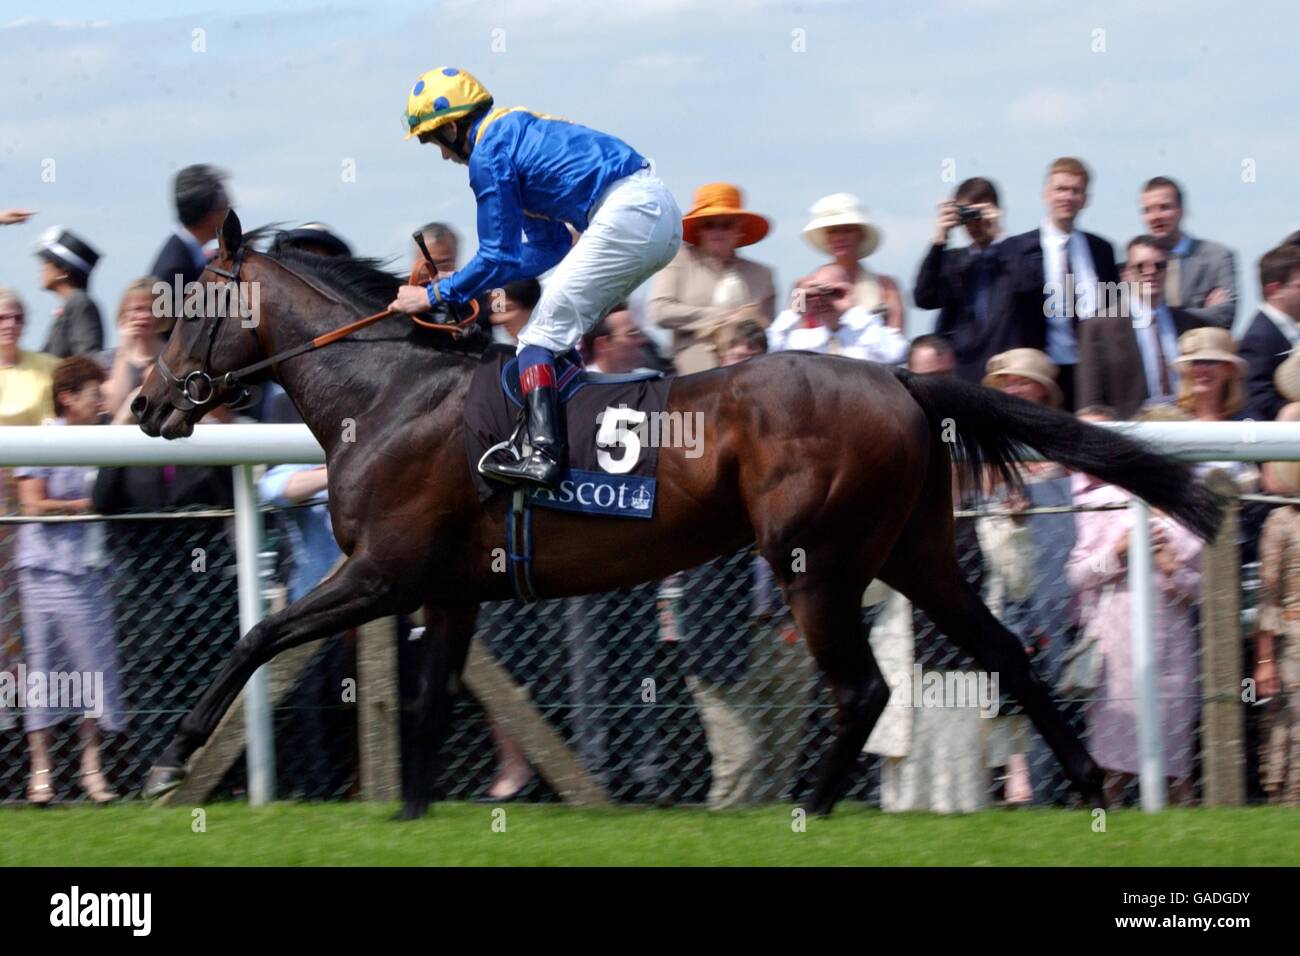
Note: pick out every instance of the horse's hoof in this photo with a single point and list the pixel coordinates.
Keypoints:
(1093, 799)
(161, 780)
(412, 810)
(821, 808)
(1092, 790)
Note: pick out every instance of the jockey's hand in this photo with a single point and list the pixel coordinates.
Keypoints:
(411, 299)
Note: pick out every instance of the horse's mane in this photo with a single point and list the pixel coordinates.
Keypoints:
(363, 282)
(360, 281)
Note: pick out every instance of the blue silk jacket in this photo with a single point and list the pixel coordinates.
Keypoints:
(531, 173)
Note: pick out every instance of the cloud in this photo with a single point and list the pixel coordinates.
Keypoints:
(712, 89)
(669, 69)
(1051, 108)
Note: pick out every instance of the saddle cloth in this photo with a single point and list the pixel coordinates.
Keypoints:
(612, 423)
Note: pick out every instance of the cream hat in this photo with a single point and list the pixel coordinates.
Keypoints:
(1287, 377)
(1208, 344)
(1025, 363)
(841, 209)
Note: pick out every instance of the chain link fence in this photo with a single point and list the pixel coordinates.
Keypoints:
(692, 690)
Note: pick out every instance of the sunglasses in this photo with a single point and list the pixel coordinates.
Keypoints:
(717, 224)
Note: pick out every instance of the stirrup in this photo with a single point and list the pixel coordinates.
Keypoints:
(517, 447)
(507, 445)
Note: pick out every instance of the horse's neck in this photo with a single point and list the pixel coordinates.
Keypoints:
(338, 384)
(312, 380)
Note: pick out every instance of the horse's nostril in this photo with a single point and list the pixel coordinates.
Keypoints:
(139, 405)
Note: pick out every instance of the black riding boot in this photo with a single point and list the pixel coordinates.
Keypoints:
(549, 456)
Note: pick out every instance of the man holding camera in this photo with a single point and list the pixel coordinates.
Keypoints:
(967, 285)
(822, 318)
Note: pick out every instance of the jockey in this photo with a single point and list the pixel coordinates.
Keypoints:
(532, 174)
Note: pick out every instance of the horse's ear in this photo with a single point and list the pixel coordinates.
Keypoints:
(232, 235)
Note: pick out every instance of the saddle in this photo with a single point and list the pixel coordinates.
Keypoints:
(612, 453)
(570, 376)
(600, 463)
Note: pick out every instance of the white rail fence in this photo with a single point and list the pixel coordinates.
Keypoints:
(245, 446)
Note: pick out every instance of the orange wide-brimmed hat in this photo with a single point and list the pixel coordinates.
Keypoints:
(723, 199)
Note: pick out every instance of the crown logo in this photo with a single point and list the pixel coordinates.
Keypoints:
(641, 499)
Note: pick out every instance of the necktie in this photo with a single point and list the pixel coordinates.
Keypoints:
(980, 276)
(1166, 388)
(1173, 281)
(834, 348)
(1071, 292)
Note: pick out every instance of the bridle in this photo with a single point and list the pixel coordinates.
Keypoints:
(198, 387)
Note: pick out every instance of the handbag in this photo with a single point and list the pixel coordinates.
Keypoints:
(1083, 663)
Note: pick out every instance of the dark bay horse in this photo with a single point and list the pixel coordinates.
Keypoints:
(838, 469)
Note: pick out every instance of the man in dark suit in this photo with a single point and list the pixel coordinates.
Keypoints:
(968, 285)
(201, 206)
(1273, 332)
(1058, 274)
(1126, 356)
(1201, 276)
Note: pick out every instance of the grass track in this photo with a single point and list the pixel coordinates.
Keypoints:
(343, 834)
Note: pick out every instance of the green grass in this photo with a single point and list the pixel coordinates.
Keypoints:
(342, 834)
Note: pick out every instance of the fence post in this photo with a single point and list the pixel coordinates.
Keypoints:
(257, 704)
(378, 710)
(1223, 764)
(1151, 783)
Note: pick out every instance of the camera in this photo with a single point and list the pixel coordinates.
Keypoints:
(969, 213)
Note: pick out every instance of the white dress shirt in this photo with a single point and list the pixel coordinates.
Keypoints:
(861, 335)
(1062, 346)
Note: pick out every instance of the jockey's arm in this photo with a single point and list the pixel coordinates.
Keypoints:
(548, 242)
(502, 254)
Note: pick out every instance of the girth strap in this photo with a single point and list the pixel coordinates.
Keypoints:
(521, 561)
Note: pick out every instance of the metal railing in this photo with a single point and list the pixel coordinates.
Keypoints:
(245, 446)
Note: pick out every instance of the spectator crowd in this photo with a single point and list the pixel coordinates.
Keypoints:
(1051, 315)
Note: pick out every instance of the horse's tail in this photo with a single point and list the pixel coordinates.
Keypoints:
(993, 430)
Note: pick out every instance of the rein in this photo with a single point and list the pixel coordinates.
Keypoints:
(198, 387)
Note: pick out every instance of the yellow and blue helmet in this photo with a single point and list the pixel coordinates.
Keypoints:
(442, 95)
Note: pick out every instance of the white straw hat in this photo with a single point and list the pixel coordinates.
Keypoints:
(841, 209)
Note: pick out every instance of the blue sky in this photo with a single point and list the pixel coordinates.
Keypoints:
(880, 101)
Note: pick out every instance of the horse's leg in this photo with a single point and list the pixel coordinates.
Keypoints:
(840, 520)
(355, 594)
(830, 619)
(442, 661)
(923, 566)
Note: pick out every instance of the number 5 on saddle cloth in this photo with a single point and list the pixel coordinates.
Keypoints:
(612, 452)
(612, 429)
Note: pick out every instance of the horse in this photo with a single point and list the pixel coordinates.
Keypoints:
(839, 471)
